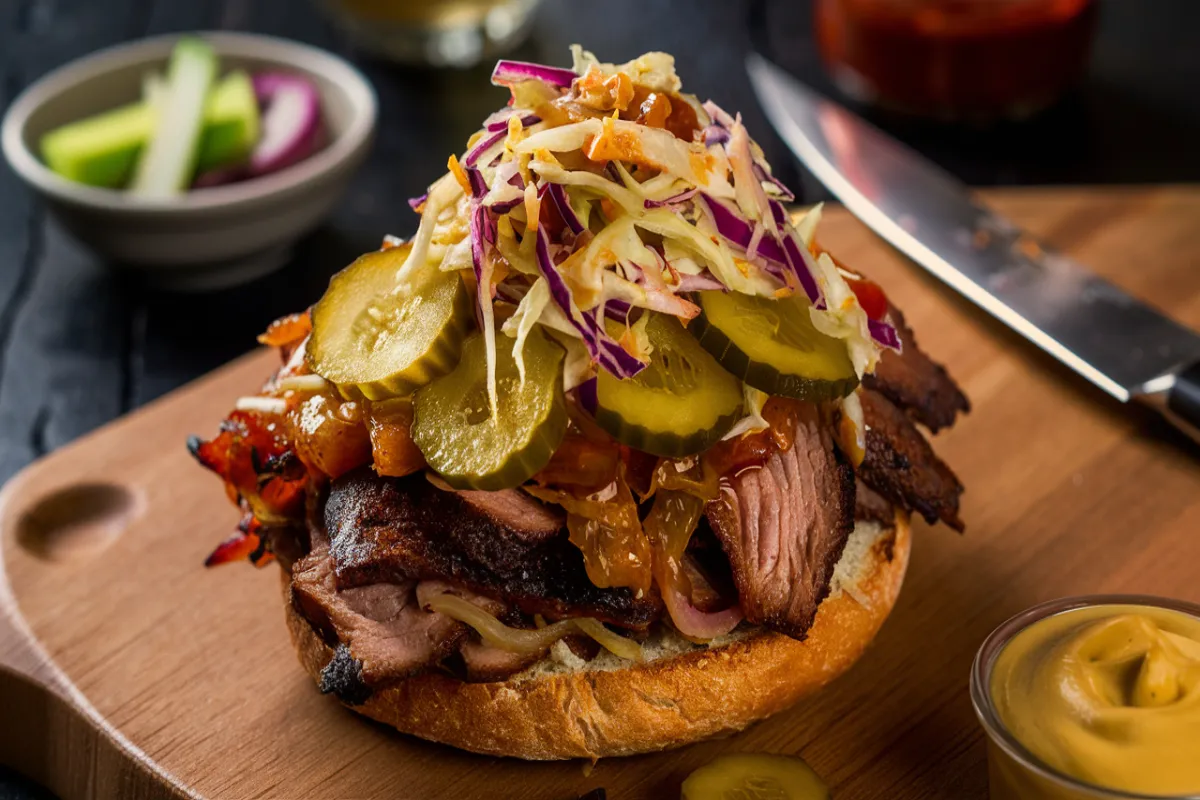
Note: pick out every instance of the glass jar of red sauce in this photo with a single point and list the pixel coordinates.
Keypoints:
(956, 59)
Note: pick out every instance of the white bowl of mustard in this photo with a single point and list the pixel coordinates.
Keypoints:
(1091, 698)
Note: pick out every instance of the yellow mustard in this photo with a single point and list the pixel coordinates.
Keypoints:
(1108, 695)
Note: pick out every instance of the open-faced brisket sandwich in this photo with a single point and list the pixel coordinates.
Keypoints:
(609, 457)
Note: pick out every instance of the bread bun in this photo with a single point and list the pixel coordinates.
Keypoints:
(564, 707)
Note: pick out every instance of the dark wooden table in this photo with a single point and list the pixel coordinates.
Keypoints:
(80, 345)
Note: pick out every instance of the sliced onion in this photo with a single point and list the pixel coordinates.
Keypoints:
(613, 642)
(521, 640)
(291, 121)
(697, 624)
(884, 334)
(670, 525)
(220, 176)
(493, 631)
(507, 73)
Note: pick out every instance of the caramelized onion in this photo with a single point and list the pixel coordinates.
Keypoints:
(611, 641)
(389, 423)
(495, 633)
(670, 525)
(606, 529)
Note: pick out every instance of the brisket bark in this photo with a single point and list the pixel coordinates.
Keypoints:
(916, 383)
(398, 529)
(902, 467)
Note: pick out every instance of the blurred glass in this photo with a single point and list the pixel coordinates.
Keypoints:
(458, 33)
(956, 59)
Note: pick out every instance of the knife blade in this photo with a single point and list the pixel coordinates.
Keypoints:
(1130, 350)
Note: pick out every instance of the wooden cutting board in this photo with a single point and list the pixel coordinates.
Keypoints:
(131, 671)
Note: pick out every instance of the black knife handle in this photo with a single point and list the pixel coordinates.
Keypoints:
(1184, 398)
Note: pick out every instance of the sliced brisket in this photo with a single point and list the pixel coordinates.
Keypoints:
(784, 526)
(916, 383)
(870, 506)
(902, 467)
(381, 625)
(398, 529)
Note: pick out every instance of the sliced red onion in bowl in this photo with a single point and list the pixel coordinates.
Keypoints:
(219, 176)
(884, 334)
(291, 121)
(507, 73)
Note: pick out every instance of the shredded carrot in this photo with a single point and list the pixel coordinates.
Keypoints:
(533, 208)
(459, 173)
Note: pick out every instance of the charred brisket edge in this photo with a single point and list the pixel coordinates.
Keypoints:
(935, 400)
(885, 466)
(343, 677)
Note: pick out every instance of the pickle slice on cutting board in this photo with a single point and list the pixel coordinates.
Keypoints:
(377, 339)
(746, 776)
(469, 446)
(681, 404)
(773, 346)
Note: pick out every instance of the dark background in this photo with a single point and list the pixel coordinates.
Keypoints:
(80, 344)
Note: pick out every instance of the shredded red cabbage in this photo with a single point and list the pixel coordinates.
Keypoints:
(679, 198)
(415, 203)
(799, 267)
(481, 147)
(761, 173)
(563, 203)
(884, 334)
(734, 227)
(507, 73)
(479, 186)
(601, 347)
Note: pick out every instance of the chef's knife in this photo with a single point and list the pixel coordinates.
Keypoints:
(1123, 346)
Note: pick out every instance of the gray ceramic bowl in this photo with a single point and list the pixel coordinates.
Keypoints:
(205, 238)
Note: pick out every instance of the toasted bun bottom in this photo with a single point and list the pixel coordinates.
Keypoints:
(563, 707)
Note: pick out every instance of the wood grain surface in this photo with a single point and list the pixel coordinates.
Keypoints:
(129, 670)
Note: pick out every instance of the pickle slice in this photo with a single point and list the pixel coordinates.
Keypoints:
(681, 404)
(376, 339)
(773, 346)
(468, 446)
(746, 776)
